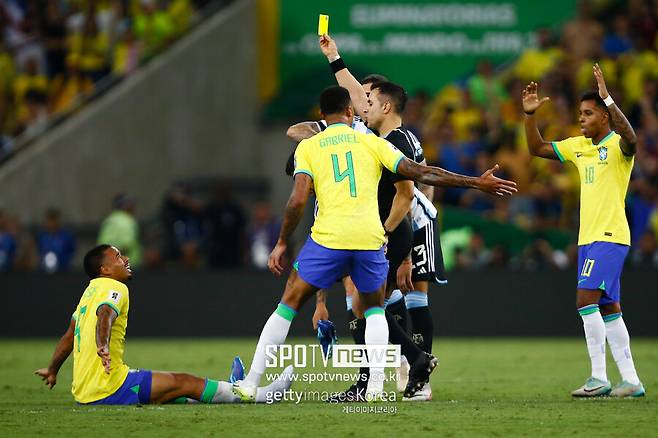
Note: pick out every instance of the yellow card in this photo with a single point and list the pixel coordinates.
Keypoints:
(323, 24)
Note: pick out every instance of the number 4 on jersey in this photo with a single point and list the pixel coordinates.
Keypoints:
(348, 173)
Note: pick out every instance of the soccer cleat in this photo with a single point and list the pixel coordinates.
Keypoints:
(593, 387)
(424, 394)
(354, 394)
(237, 370)
(419, 374)
(402, 374)
(246, 392)
(626, 389)
(327, 337)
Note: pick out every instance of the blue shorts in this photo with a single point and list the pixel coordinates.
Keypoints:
(136, 389)
(321, 266)
(599, 267)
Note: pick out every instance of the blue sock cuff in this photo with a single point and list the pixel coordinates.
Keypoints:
(416, 299)
(611, 317)
(588, 310)
(395, 297)
(348, 302)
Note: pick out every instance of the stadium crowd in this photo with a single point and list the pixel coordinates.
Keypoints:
(54, 53)
(479, 120)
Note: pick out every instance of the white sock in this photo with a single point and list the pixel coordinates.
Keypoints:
(376, 334)
(620, 346)
(595, 338)
(274, 391)
(274, 332)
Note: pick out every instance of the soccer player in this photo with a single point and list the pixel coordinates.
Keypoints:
(343, 166)
(96, 336)
(604, 159)
(384, 115)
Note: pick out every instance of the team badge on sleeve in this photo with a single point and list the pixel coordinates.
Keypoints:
(114, 296)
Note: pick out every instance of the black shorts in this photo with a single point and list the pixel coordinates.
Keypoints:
(398, 248)
(427, 256)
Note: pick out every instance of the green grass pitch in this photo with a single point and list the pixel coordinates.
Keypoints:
(483, 387)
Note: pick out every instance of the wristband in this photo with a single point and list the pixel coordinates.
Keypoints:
(337, 65)
(529, 113)
(608, 101)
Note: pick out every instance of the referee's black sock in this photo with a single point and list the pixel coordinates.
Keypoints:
(422, 324)
(400, 337)
(358, 331)
(398, 309)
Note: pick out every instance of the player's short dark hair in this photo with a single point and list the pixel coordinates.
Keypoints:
(373, 78)
(594, 95)
(394, 92)
(94, 259)
(334, 100)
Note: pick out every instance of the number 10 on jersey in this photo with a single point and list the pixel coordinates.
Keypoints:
(347, 173)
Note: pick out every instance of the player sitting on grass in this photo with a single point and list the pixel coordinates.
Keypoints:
(96, 336)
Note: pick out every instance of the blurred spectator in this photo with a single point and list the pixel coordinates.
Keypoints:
(484, 86)
(474, 256)
(127, 54)
(69, 89)
(121, 229)
(262, 234)
(54, 34)
(27, 255)
(540, 256)
(183, 220)
(583, 35)
(7, 244)
(645, 253)
(153, 26)
(56, 244)
(226, 222)
(88, 50)
(619, 41)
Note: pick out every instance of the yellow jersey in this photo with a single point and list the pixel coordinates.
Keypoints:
(604, 172)
(346, 166)
(90, 382)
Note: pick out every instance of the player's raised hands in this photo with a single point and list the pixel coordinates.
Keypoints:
(531, 101)
(48, 376)
(328, 47)
(490, 183)
(104, 354)
(600, 81)
(275, 261)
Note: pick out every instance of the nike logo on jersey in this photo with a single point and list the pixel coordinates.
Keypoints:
(578, 154)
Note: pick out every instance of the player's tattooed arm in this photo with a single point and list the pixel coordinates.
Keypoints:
(321, 311)
(436, 176)
(106, 317)
(619, 122)
(536, 143)
(62, 352)
(302, 131)
(344, 78)
(291, 217)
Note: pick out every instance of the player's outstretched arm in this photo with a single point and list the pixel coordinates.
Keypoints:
(302, 130)
(536, 143)
(106, 317)
(291, 217)
(435, 176)
(619, 121)
(344, 77)
(425, 189)
(62, 352)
